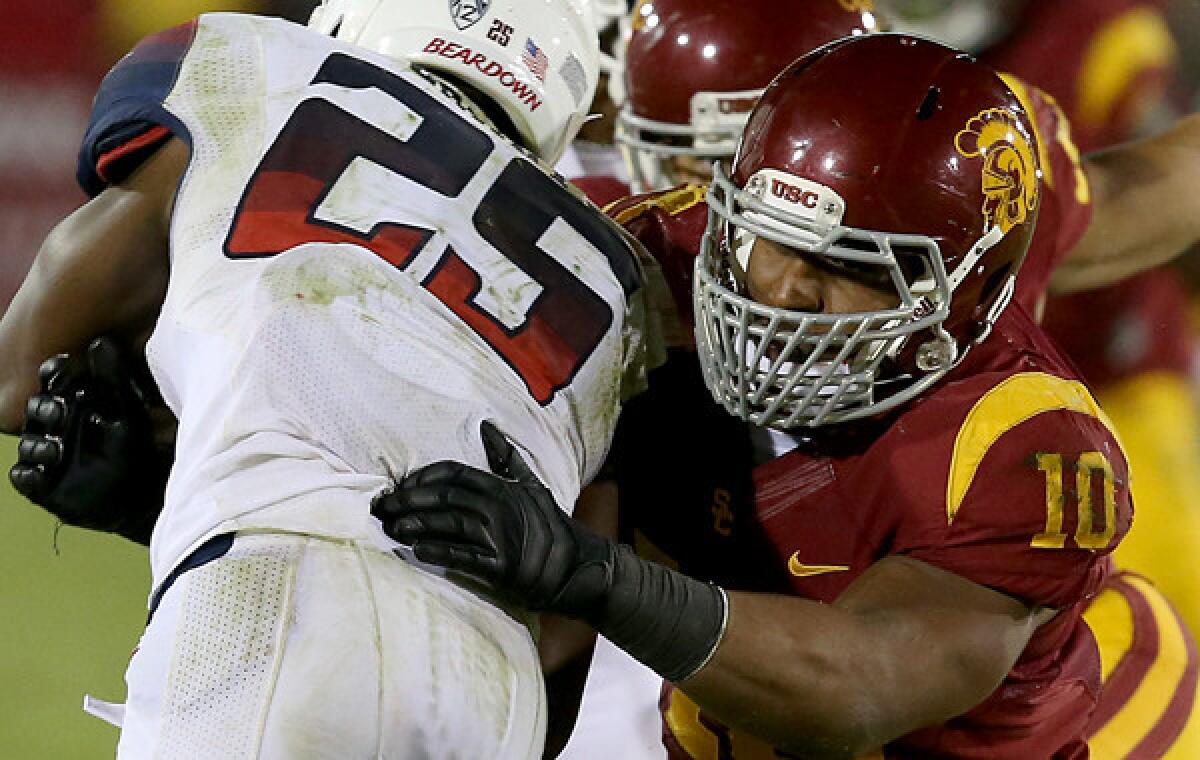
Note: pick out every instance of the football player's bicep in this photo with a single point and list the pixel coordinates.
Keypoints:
(951, 641)
(102, 270)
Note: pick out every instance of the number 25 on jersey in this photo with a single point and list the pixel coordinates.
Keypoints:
(323, 146)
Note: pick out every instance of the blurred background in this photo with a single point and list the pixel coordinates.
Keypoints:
(72, 603)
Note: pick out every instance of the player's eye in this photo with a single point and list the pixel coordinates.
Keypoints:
(871, 275)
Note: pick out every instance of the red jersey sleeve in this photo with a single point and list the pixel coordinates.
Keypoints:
(1066, 206)
(669, 224)
(1036, 493)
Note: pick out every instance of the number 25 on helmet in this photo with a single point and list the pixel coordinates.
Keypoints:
(538, 60)
(885, 153)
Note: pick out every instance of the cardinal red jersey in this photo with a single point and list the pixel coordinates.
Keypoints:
(602, 189)
(1106, 63)
(1007, 474)
(49, 68)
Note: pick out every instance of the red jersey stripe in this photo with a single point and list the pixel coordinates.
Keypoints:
(145, 140)
(1179, 710)
(1149, 698)
(1137, 660)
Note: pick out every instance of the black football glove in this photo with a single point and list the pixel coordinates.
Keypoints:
(87, 452)
(503, 529)
(506, 531)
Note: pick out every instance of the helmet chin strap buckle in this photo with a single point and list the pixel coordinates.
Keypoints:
(936, 355)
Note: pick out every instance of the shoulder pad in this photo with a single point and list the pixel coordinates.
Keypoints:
(673, 202)
(669, 225)
(1002, 410)
(1036, 490)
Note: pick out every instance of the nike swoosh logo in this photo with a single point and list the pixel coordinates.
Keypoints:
(801, 570)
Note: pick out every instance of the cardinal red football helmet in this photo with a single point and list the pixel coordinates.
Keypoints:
(693, 71)
(878, 151)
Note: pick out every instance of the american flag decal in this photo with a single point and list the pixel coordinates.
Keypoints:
(535, 60)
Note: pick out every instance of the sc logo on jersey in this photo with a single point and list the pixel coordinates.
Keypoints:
(467, 13)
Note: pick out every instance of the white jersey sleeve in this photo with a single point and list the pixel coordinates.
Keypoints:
(361, 273)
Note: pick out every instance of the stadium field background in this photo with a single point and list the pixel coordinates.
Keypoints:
(68, 622)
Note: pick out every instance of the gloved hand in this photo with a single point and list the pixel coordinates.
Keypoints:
(87, 452)
(502, 529)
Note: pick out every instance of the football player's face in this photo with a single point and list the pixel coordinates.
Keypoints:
(696, 170)
(789, 279)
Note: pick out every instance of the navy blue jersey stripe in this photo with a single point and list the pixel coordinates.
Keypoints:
(130, 101)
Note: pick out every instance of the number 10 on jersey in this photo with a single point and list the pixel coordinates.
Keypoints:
(1088, 535)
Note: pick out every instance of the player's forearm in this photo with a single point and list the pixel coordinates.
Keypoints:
(102, 271)
(22, 341)
(906, 645)
(804, 676)
(1146, 208)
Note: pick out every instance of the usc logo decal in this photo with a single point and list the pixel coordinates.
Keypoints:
(858, 6)
(1010, 169)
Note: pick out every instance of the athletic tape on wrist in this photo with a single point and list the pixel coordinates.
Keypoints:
(666, 620)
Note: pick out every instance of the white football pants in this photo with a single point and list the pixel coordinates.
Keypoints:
(294, 647)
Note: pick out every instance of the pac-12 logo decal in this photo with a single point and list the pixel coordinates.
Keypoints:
(1010, 169)
(467, 13)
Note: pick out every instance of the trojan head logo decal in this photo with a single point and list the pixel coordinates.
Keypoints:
(858, 6)
(466, 13)
(1010, 170)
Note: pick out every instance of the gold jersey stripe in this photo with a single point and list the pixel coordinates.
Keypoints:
(1015, 400)
(1160, 426)
(1062, 135)
(1110, 619)
(673, 202)
(1145, 708)
(1134, 42)
(124, 22)
(683, 718)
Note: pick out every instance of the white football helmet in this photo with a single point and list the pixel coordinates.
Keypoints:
(606, 13)
(537, 59)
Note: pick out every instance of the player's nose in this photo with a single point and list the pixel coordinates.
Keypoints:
(795, 285)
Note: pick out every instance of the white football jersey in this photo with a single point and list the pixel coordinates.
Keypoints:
(361, 273)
